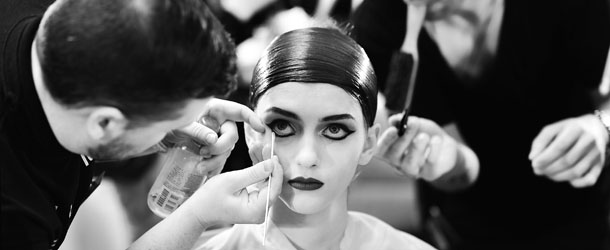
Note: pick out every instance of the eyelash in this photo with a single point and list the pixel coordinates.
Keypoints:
(344, 128)
(273, 125)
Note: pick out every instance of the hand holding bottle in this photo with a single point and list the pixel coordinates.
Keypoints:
(190, 160)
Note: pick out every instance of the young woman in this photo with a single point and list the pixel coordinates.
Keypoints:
(316, 90)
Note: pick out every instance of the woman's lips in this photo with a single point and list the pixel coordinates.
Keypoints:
(308, 184)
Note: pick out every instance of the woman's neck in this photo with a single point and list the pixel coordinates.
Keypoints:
(322, 230)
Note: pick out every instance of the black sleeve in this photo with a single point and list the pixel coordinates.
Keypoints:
(379, 27)
(586, 39)
(22, 227)
(19, 231)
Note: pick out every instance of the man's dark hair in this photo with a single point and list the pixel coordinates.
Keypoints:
(144, 57)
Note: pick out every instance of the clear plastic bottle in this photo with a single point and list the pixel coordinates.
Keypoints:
(179, 177)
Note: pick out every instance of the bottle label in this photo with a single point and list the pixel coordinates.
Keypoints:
(169, 200)
(181, 183)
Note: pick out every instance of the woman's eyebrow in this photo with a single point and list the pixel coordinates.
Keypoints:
(283, 112)
(337, 117)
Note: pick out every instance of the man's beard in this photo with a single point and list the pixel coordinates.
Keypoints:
(114, 150)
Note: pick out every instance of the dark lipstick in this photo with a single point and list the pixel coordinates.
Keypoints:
(305, 184)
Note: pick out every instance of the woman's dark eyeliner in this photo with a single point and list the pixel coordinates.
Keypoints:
(343, 128)
(274, 123)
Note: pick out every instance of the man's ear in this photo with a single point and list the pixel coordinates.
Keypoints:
(105, 124)
(370, 145)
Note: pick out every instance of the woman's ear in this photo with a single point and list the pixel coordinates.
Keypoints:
(105, 123)
(370, 145)
(369, 149)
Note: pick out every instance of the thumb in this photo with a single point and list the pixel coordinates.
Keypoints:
(242, 178)
(200, 133)
(543, 140)
(275, 186)
(386, 140)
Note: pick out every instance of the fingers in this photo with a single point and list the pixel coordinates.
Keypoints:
(394, 120)
(259, 152)
(396, 150)
(214, 165)
(276, 180)
(258, 199)
(386, 140)
(200, 132)
(256, 152)
(562, 142)
(590, 178)
(419, 150)
(565, 162)
(579, 169)
(569, 150)
(227, 140)
(545, 137)
(389, 136)
(432, 168)
(415, 157)
(224, 110)
(240, 179)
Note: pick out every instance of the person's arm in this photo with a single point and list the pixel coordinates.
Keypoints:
(429, 152)
(463, 174)
(574, 149)
(223, 199)
(19, 224)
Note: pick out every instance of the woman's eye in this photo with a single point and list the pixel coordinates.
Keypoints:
(281, 128)
(336, 131)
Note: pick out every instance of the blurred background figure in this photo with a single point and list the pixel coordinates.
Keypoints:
(506, 142)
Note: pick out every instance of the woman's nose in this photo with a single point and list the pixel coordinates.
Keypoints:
(307, 155)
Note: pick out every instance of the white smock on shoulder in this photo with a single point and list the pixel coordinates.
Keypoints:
(363, 232)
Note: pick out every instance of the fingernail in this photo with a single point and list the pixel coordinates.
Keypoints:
(268, 167)
(394, 136)
(398, 171)
(418, 139)
(536, 169)
(211, 138)
(421, 138)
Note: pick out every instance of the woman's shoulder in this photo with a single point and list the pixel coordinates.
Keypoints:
(365, 231)
(234, 237)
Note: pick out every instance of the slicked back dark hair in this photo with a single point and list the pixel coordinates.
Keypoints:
(145, 57)
(318, 55)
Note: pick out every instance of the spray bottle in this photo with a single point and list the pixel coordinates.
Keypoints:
(180, 176)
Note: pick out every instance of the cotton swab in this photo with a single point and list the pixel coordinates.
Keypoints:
(268, 192)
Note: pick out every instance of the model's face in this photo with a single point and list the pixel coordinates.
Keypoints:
(320, 136)
(137, 140)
